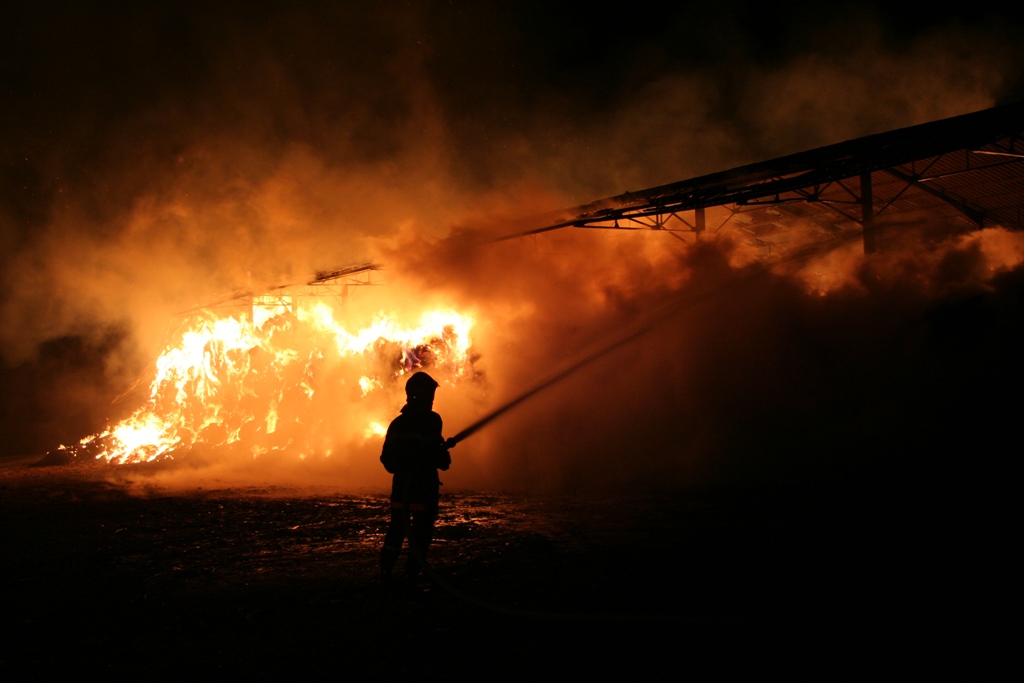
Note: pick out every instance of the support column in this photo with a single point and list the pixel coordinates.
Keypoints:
(867, 212)
(699, 221)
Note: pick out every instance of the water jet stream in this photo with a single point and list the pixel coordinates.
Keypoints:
(656, 318)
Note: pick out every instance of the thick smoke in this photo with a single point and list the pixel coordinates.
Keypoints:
(745, 374)
(177, 153)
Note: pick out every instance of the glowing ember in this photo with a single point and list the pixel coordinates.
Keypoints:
(257, 381)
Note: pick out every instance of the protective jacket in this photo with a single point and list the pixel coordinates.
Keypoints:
(413, 452)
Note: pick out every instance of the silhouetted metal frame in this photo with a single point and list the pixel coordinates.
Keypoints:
(803, 177)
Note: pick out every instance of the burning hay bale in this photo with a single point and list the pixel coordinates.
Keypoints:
(276, 385)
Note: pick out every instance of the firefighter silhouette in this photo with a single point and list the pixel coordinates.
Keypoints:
(413, 452)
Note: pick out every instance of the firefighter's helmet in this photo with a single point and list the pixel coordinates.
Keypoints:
(420, 384)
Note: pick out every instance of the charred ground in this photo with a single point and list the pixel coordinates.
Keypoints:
(268, 582)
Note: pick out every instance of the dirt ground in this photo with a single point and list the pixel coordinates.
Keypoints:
(269, 582)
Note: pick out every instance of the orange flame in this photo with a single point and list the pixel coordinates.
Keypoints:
(254, 379)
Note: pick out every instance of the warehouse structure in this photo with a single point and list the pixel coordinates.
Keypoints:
(964, 173)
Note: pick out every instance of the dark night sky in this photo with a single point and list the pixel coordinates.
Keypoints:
(123, 120)
(82, 82)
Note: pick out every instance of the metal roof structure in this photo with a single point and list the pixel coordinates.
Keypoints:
(963, 173)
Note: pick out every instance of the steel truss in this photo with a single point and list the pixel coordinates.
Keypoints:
(967, 168)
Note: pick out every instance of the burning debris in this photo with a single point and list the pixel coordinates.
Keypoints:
(276, 379)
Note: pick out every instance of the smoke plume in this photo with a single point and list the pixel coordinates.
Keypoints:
(176, 153)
